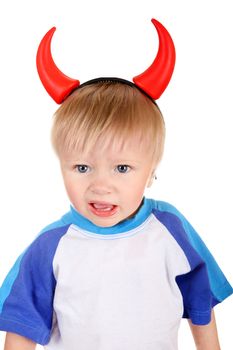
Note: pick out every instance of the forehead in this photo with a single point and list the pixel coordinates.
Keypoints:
(132, 148)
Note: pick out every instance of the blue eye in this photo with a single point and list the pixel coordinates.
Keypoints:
(82, 168)
(122, 168)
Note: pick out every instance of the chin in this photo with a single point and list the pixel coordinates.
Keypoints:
(101, 223)
(104, 222)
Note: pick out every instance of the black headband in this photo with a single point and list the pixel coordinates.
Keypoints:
(116, 80)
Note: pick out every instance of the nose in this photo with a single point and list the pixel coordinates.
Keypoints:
(101, 185)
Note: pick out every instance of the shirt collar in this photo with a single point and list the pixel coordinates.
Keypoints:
(125, 225)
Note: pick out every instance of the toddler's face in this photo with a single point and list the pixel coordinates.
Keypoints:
(107, 186)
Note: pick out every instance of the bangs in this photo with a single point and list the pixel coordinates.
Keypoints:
(107, 115)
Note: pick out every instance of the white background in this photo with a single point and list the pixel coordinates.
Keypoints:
(116, 38)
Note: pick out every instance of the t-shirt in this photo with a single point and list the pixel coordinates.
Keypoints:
(79, 286)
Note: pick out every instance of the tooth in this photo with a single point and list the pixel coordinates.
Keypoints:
(102, 206)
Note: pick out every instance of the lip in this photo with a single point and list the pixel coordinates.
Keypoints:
(102, 213)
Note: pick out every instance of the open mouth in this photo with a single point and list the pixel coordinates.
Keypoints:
(102, 209)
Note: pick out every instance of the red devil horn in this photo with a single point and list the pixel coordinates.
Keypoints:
(156, 78)
(57, 84)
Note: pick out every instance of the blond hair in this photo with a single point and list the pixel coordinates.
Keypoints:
(107, 112)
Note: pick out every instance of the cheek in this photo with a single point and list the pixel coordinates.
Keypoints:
(134, 189)
(72, 187)
(138, 183)
(70, 190)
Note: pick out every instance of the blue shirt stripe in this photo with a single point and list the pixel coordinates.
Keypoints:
(219, 285)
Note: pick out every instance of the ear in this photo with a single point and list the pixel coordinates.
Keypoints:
(151, 178)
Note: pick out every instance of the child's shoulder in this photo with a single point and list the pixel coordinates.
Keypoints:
(165, 207)
(173, 219)
(58, 224)
(52, 233)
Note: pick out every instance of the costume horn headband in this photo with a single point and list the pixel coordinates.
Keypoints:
(153, 81)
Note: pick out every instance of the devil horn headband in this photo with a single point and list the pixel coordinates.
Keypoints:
(153, 81)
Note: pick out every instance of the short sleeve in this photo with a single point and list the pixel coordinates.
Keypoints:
(26, 296)
(204, 285)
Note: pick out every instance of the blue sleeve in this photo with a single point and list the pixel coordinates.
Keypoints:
(26, 296)
(205, 285)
